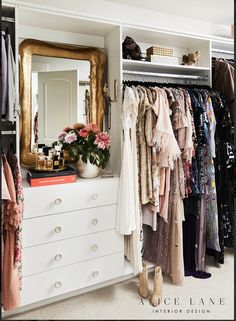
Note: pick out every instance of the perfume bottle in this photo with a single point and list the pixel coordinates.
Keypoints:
(52, 152)
(49, 163)
(61, 161)
(55, 162)
(40, 148)
(40, 160)
(48, 159)
(57, 149)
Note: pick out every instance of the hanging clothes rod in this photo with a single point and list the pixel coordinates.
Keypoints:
(223, 51)
(154, 74)
(8, 132)
(7, 19)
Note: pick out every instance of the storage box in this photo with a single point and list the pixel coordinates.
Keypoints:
(160, 51)
(163, 60)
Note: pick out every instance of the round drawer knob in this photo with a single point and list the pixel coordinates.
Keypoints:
(58, 201)
(94, 247)
(58, 284)
(58, 229)
(95, 221)
(94, 196)
(95, 274)
(58, 257)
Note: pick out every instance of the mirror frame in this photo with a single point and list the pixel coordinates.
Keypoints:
(30, 47)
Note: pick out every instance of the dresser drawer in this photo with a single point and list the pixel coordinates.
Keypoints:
(45, 257)
(52, 228)
(70, 278)
(83, 194)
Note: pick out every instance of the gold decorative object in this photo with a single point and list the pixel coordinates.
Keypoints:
(30, 47)
(191, 59)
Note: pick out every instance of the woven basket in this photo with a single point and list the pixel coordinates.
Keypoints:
(159, 51)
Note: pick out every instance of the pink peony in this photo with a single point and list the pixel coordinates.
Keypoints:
(62, 135)
(102, 140)
(83, 132)
(70, 138)
(92, 128)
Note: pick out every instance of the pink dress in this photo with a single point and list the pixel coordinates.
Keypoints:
(11, 221)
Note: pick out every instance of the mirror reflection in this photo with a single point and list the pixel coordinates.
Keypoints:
(60, 96)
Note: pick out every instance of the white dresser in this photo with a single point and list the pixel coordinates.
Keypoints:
(69, 238)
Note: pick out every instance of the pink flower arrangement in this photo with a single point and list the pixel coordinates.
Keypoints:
(83, 132)
(92, 127)
(87, 141)
(102, 140)
(62, 136)
(70, 138)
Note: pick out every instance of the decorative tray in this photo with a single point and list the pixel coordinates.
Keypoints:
(35, 169)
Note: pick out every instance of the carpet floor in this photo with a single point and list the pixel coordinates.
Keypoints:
(196, 299)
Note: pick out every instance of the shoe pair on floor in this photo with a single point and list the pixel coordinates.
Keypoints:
(156, 295)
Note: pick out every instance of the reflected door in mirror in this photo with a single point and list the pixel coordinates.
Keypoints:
(58, 103)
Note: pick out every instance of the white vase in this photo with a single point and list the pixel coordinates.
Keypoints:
(87, 170)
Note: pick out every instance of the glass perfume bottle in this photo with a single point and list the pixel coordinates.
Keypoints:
(40, 160)
(61, 160)
(48, 159)
(55, 162)
(49, 163)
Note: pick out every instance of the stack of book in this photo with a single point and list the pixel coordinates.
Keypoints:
(41, 178)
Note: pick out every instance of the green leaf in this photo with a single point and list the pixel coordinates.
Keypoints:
(84, 158)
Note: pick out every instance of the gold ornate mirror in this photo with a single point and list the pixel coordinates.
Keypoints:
(34, 52)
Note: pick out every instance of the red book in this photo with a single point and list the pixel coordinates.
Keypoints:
(44, 181)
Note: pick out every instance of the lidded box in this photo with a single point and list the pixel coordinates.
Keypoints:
(161, 51)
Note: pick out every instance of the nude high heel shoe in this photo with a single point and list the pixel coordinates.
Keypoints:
(143, 282)
(156, 296)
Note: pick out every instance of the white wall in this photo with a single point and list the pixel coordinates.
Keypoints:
(115, 12)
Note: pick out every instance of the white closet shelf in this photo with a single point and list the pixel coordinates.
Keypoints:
(150, 66)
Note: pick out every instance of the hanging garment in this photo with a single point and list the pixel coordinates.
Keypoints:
(223, 174)
(4, 80)
(125, 221)
(13, 104)
(134, 242)
(163, 137)
(212, 237)
(154, 170)
(11, 221)
(223, 81)
(5, 192)
(175, 259)
(142, 148)
(20, 202)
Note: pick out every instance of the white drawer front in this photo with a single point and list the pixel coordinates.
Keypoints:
(70, 278)
(52, 228)
(57, 254)
(47, 200)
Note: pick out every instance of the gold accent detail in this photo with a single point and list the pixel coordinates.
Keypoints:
(30, 47)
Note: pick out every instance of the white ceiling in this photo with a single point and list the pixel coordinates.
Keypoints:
(214, 11)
